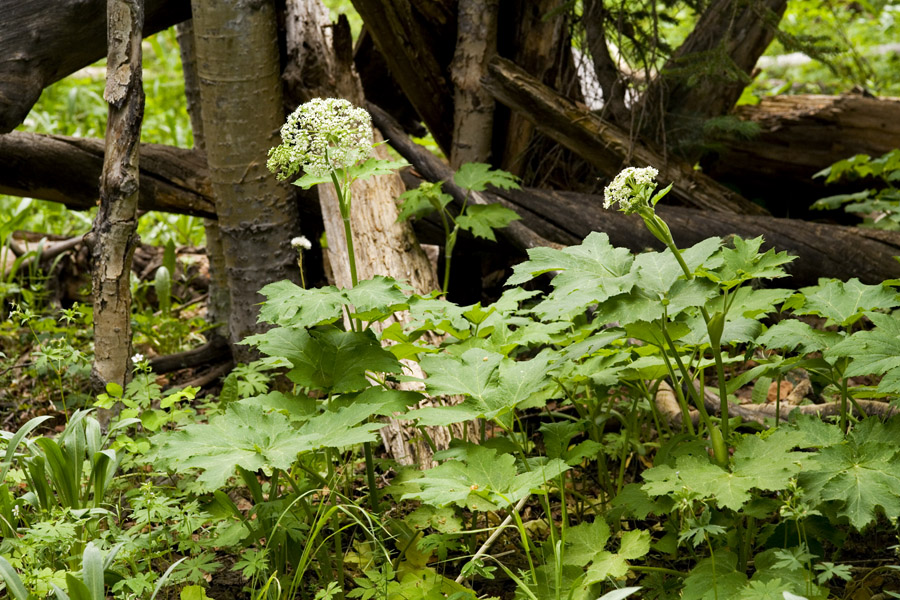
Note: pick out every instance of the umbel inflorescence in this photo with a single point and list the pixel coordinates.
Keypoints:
(631, 189)
(322, 135)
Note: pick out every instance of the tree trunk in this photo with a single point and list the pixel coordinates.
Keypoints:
(240, 91)
(412, 47)
(476, 44)
(382, 245)
(611, 80)
(66, 170)
(540, 46)
(707, 73)
(218, 304)
(822, 250)
(604, 145)
(42, 41)
(799, 136)
(112, 239)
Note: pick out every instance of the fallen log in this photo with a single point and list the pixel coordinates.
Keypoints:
(566, 218)
(42, 41)
(70, 172)
(822, 250)
(799, 136)
(604, 145)
(67, 170)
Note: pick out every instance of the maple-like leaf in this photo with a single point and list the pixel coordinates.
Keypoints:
(422, 201)
(842, 303)
(482, 219)
(481, 474)
(744, 262)
(593, 263)
(792, 334)
(493, 384)
(766, 464)
(875, 351)
(477, 176)
(860, 475)
(327, 358)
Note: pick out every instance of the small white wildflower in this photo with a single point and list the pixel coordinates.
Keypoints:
(301, 243)
(322, 135)
(630, 189)
(137, 358)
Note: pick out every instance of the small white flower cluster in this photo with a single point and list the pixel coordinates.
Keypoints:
(630, 189)
(301, 243)
(322, 135)
(137, 358)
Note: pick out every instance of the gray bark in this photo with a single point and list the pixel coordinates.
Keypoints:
(476, 44)
(240, 92)
(219, 303)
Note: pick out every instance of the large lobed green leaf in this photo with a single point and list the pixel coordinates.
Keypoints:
(481, 478)
(327, 358)
(251, 438)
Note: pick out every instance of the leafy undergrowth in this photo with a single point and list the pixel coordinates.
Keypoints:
(563, 478)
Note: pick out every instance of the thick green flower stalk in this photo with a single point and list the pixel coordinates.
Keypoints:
(330, 140)
(633, 190)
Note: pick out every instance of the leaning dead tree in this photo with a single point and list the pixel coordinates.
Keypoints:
(112, 239)
(603, 144)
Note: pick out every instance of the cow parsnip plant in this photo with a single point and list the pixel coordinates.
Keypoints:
(574, 484)
(529, 348)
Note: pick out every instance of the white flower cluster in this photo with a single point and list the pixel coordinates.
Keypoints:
(301, 243)
(322, 135)
(630, 189)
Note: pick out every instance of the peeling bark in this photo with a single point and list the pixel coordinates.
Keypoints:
(322, 66)
(112, 239)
